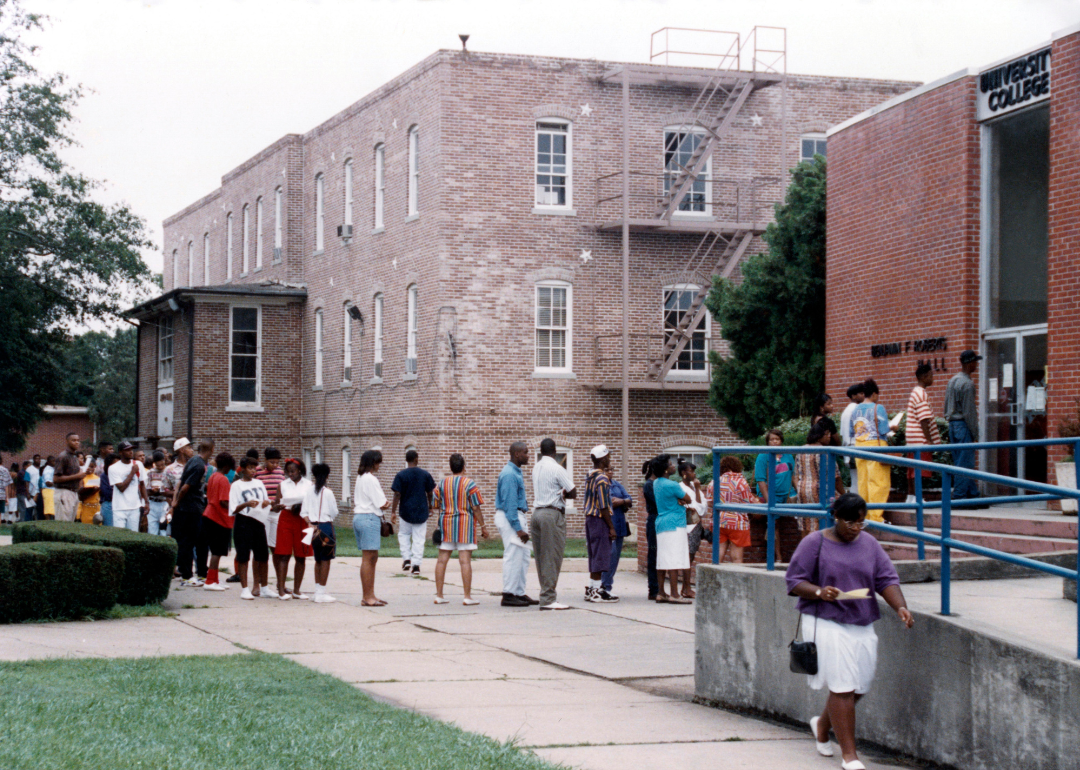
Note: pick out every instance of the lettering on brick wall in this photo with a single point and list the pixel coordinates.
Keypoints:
(1013, 85)
(928, 345)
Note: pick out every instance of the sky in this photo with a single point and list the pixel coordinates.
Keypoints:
(182, 91)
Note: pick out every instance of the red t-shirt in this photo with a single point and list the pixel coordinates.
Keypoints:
(217, 500)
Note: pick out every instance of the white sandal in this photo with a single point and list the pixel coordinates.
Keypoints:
(441, 600)
(852, 765)
(469, 602)
(824, 749)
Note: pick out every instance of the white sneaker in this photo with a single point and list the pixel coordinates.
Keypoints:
(246, 594)
(213, 587)
(270, 592)
(285, 597)
(824, 749)
(554, 606)
(300, 596)
(324, 599)
(192, 582)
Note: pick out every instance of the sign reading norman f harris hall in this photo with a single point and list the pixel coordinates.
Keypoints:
(1014, 84)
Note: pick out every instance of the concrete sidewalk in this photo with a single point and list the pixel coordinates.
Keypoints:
(598, 686)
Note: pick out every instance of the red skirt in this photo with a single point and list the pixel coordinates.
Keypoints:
(290, 536)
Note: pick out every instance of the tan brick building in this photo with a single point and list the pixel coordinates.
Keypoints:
(953, 224)
(468, 213)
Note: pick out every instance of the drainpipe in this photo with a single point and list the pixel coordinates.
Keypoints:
(191, 368)
(138, 373)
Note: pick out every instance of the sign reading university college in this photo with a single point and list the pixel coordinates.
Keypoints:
(1015, 84)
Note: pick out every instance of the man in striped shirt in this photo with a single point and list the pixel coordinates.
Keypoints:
(921, 426)
(552, 487)
(599, 531)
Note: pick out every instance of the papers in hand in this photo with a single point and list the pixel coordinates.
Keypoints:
(858, 593)
(308, 534)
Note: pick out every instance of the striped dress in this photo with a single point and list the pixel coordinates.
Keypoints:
(456, 497)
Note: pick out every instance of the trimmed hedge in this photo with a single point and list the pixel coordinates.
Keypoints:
(50, 581)
(149, 560)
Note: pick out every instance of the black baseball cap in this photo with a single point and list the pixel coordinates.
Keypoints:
(968, 356)
(125, 445)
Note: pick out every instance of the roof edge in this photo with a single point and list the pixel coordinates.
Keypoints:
(896, 100)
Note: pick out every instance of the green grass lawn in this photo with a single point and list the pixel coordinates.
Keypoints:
(490, 549)
(254, 711)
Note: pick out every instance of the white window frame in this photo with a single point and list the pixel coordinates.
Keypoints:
(318, 456)
(320, 213)
(228, 247)
(166, 359)
(414, 171)
(706, 172)
(175, 267)
(377, 353)
(380, 184)
(688, 452)
(537, 131)
(246, 406)
(307, 461)
(815, 137)
(686, 374)
(258, 233)
(346, 345)
(245, 240)
(568, 329)
(346, 462)
(563, 450)
(191, 263)
(319, 330)
(412, 303)
(348, 191)
(279, 216)
(206, 258)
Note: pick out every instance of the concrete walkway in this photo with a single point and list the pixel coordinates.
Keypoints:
(599, 686)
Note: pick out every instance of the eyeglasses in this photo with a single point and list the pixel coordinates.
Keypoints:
(854, 524)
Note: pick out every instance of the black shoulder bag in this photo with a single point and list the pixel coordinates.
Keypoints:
(804, 653)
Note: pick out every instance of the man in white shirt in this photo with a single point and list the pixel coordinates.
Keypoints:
(857, 393)
(128, 491)
(552, 487)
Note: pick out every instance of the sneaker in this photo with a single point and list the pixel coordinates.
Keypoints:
(298, 595)
(193, 582)
(555, 606)
(592, 594)
(213, 587)
(416, 570)
(324, 599)
(246, 594)
(270, 592)
(604, 596)
(406, 565)
(232, 579)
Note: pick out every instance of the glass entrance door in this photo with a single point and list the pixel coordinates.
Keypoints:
(1014, 369)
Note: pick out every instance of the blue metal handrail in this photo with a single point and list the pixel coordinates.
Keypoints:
(888, 455)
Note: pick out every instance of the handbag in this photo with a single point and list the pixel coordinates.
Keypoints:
(386, 528)
(320, 538)
(436, 538)
(803, 655)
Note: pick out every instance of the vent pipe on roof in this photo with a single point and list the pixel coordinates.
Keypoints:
(464, 40)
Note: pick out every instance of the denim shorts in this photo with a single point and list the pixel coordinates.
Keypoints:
(368, 530)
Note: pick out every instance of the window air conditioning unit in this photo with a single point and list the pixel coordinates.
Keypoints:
(348, 374)
(277, 253)
(345, 232)
(410, 366)
(378, 370)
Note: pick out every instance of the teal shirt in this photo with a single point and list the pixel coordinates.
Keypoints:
(669, 514)
(785, 470)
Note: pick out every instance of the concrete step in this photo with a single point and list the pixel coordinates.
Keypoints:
(1031, 524)
(1021, 544)
(909, 551)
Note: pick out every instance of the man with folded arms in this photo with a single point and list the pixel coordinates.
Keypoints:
(66, 480)
(552, 487)
(511, 507)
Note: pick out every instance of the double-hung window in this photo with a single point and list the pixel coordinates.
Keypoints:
(380, 184)
(244, 365)
(414, 171)
(553, 326)
(811, 145)
(346, 472)
(692, 362)
(346, 346)
(175, 268)
(348, 193)
(377, 361)
(679, 147)
(318, 348)
(279, 214)
(245, 240)
(206, 259)
(190, 263)
(165, 350)
(699, 455)
(258, 233)
(320, 212)
(411, 326)
(228, 247)
(553, 180)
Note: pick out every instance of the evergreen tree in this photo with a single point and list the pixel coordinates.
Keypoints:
(65, 259)
(774, 320)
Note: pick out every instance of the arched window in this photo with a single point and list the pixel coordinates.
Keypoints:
(679, 309)
(320, 212)
(206, 258)
(700, 456)
(410, 330)
(258, 233)
(554, 327)
(245, 224)
(191, 263)
(228, 247)
(279, 218)
(175, 267)
(348, 192)
(414, 171)
(380, 184)
(554, 188)
(346, 344)
(318, 348)
(679, 145)
(346, 462)
(377, 359)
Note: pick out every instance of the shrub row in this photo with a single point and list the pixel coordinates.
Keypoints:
(51, 581)
(149, 560)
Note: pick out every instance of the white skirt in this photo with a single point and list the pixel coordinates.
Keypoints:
(271, 527)
(847, 655)
(672, 549)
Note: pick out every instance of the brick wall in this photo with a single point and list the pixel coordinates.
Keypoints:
(50, 437)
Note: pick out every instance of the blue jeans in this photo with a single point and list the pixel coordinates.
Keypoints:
(106, 513)
(608, 578)
(158, 509)
(962, 458)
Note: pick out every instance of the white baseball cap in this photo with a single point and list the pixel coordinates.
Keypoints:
(600, 450)
(179, 444)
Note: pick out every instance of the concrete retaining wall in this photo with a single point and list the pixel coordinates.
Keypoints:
(944, 692)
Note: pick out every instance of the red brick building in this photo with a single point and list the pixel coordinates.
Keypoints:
(954, 224)
(439, 265)
(50, 436)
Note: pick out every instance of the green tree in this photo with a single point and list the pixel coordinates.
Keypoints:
(112, 405)
(774, 320)
(64, 258)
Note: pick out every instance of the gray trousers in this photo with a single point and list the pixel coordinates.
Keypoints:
(547, 530)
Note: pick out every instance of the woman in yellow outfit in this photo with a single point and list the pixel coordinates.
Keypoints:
(869, 427)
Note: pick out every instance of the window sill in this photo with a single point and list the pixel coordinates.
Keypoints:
(317, 387)
(257, 270)
(409, 378)
(346, 383)
(276, 262)
(412, 217)
(166, 384)
(692, 215)
(243, 275)
(554, 211)
(317, 253)
(379, 229)
(375, 381)
(548, 374)
(244, 408)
